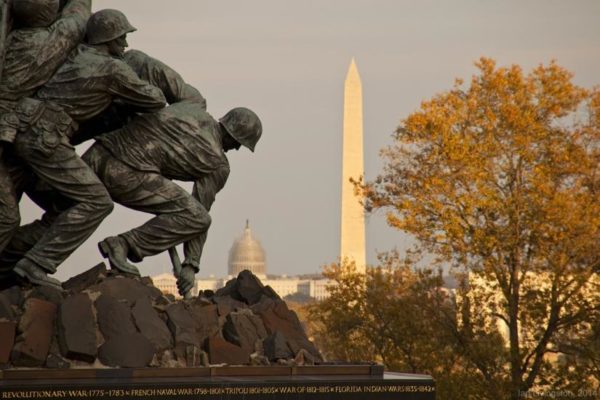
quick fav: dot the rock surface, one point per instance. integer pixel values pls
(123, 321)
(129, 350)
(36, 329)
(244, 329)
(77, 328)
(86, 279)
(221, 351)
(182, 325)
(7, 339)
(276, 348)
(151, 325)
(114, 317)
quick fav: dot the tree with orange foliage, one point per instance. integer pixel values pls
(500, 179)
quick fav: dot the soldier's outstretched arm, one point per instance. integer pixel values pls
(30, 61)
(205, 191)
(128, 88)
(65, 34)
(164, 77)
(80, 9)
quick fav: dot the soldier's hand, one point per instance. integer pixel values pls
(186, 279)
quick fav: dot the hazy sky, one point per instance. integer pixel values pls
(287, 60)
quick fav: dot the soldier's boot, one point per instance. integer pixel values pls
(31, 272)
(115, 249)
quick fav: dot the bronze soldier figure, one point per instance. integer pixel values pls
(39, 44)
(92, 77)
(182, 141)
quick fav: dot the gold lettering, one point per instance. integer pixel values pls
(215, 391)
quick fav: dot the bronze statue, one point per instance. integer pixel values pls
(38, 45)
(85, 85)
(99, 91)
(182, 141)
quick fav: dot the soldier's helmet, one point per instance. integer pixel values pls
(106, 25)
(35, 13)
(243, 125)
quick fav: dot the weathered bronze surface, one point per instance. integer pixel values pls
(58, 90)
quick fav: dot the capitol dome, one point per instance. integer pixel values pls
(247, 253)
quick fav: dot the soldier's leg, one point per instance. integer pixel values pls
(9, 212)
(26, 236)
(23, 240)
(55, 162)
(179, 216)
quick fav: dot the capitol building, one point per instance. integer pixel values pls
(247, 253)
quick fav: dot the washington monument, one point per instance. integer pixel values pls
(352, 245)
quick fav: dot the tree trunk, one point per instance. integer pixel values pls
(516, 375)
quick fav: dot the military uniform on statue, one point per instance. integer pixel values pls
(82, 87)
(110, 331)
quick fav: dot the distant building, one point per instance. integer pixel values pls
(166, 283)
(283, 286)
(315, 288)
(247, 253)
(210, 284)
(486, 294)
